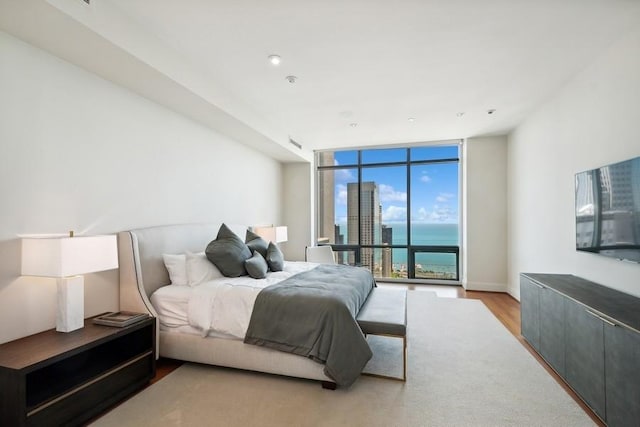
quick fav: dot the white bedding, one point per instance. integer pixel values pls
(221, 306)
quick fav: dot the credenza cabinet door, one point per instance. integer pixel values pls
(530, 311)
(622, 376)
(552, 329)
(584, 363)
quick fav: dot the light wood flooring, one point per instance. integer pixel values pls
(502, 305)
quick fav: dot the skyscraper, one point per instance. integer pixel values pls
(326, 199)
(339, 240)
(370, 221)
(387, 253)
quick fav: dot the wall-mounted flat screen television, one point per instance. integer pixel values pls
(608, 210)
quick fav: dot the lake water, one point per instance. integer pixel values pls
(428, 235)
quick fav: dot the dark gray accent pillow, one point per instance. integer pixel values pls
(256, 243)
(228, 252)
(256, 266)
(275, 258)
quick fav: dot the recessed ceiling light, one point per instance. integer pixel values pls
(412, 119)
(353, 125)
(275, 59)
(291, 79)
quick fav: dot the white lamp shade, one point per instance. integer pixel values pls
(68, 256)
(272, 234)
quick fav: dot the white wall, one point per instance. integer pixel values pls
(593, 121)
(485, 215)
(298, 194)
(80, 153)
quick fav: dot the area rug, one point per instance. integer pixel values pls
(464, 369)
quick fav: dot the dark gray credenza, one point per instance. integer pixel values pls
(590, 335)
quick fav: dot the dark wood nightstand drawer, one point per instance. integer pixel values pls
(82, 404)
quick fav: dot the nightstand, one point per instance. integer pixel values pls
(55, 378)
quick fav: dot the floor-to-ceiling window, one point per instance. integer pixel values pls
(393, 210)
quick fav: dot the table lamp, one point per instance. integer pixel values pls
(67, 258)
(272, 233)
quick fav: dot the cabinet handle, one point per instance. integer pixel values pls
(608, 322)
(539, 286)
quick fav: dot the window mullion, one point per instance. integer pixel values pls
(410, 262)
(359, 255)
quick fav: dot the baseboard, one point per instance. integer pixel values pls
(486, 286)
(515, 293)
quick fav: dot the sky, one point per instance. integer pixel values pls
(434, 187)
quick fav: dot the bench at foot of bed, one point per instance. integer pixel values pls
(385, 313)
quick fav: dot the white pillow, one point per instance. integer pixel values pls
(200, 269)
(177, 268)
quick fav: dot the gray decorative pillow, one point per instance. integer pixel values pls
(275, 258)
(228, 252)
(256, 243)
(256, 266)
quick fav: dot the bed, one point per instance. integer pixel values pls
(143, 272)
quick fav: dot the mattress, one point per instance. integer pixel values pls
(171, 303)
(190, 330)
(220, 307)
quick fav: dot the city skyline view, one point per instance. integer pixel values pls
(375, 197)
(434, 187)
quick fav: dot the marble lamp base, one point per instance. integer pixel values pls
(70, 315)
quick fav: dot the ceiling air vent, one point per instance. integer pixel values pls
(291, 141)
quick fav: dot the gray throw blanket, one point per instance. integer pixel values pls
(313, 314)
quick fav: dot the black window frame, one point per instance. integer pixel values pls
(412, 250)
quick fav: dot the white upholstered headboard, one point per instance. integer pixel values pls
(140, 251)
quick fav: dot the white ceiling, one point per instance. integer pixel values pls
(378, 62)
(371, 62)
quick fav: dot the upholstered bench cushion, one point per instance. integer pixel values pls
(384, 312)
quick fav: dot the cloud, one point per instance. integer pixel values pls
(442, 214)
(394, 214)
(342, 175)
(444, 197)
(341, 219)
(422, 215)
(389, 194)
(341, 194)
(438, 213)
(425, 178)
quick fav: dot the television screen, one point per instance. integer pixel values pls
(608, 210)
